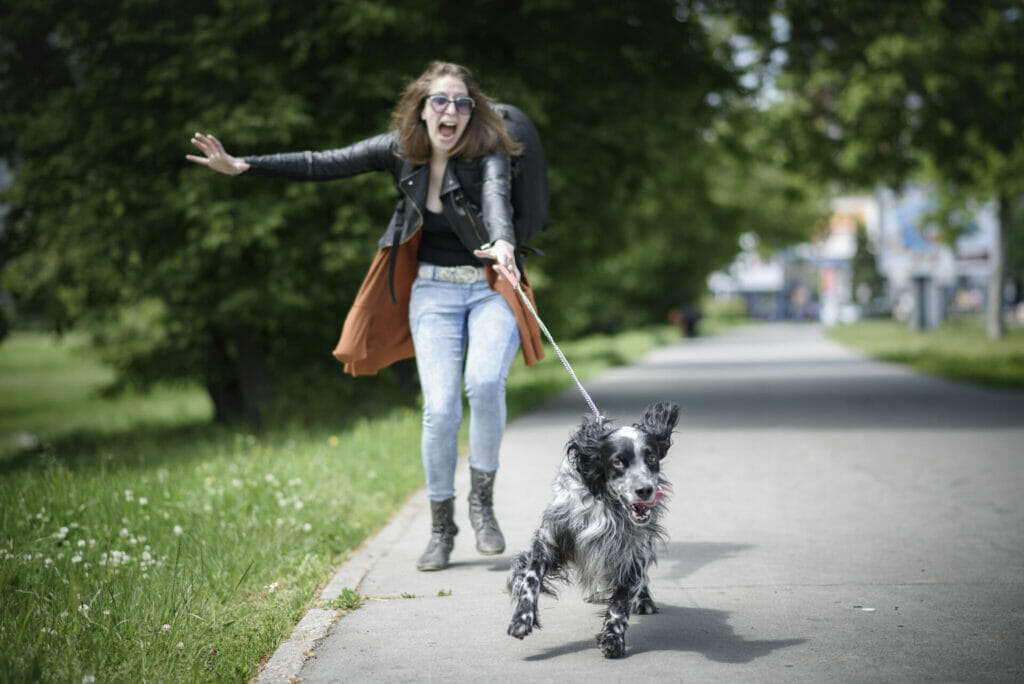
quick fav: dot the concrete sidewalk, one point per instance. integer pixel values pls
(834, 519)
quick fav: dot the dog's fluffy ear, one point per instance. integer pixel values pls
(584, 450)
(659, 421)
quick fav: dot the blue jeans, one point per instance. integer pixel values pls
(456, 328)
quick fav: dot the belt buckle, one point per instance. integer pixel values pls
(464, 275)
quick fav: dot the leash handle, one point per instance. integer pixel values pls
(565, 362)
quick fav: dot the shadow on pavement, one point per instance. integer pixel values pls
(685, 558)
(704, 631)
(674, 628)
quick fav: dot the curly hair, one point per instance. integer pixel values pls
(484, 134)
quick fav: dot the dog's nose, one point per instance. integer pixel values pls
(644, 493)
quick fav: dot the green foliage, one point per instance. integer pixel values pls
(892, 92)
(898, 85)
(243, 284)
(349, 599)
(866, 277)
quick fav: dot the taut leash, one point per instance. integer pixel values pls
(565, 362)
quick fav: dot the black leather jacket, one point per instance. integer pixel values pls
(474, 193)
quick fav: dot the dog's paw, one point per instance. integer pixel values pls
(522, 624)
(611, 645)
(644, 606)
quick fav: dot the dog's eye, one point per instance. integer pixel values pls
(618, 462)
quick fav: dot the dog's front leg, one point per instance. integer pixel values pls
(612, 639)
(643, 603)
(525, 582)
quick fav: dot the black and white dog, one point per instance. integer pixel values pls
(602, 525)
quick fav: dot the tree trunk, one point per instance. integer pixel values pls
(253, 377)
(237, 378)
(221, 381)
(995, 321)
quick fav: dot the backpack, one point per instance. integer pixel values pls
(529, 178)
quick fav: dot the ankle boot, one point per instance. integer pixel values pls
(489, 540)
(442, 536)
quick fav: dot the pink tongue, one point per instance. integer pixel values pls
(446, 130)
(657, 495)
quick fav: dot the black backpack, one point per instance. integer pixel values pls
(529, 178)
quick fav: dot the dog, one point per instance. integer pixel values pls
(602, 525)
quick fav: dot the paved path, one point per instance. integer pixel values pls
(834, 519)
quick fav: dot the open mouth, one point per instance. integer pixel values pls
(447, 131)
(641, 512)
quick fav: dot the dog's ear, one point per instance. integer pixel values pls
(659, 421)
(584, 449)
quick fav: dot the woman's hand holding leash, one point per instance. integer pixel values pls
(504, 256)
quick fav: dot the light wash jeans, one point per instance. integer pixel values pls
(456, 328)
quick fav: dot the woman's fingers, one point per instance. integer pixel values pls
(503, 254)
(214, 155)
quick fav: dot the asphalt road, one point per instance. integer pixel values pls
(834, 519)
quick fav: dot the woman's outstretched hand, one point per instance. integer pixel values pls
(502, 252)
(214, 156)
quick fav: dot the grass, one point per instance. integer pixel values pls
(959, 350)
(140, 542)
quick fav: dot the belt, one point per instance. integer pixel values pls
(464, 275)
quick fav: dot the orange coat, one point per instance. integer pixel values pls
(376, 332)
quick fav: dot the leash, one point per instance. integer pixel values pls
(565, 362)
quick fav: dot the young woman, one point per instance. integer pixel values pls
(428, 292)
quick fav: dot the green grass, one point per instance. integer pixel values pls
(54, 388)
(959, 350)
(140, 542)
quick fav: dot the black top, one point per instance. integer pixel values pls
(440, 246)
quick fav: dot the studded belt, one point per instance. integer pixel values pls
(464, 275)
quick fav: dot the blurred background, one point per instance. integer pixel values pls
(787, 160)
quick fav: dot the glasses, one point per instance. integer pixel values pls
(463, 105)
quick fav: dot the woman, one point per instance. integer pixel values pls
(427, 292)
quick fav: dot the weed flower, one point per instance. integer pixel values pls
(271, 588)
(166, 629)
(178, 531)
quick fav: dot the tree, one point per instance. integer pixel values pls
(866, 280)
(243, 284)
(882, 92)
